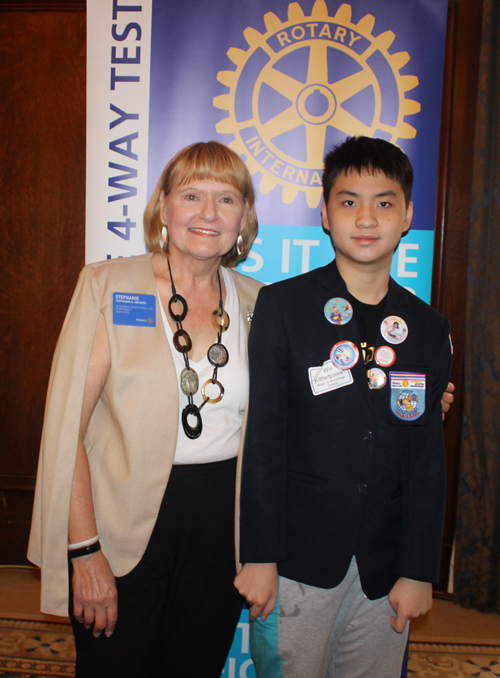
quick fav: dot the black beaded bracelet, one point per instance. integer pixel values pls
(85, 550)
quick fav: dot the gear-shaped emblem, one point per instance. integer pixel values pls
(307, 83)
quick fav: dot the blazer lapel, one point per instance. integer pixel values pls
(165, 381)
(247, 294)
(333, 281)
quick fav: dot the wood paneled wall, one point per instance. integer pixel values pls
(42, 217)
(42, 170)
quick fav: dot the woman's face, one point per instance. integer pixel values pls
(203, 218)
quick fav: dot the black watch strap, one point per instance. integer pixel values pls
(85, 550)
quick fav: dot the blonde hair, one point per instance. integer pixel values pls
(200, 161)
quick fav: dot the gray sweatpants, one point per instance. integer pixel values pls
(328, 633)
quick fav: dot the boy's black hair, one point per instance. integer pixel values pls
(364, 154)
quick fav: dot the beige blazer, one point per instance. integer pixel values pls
(132, 435)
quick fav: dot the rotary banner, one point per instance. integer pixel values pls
(280, 83)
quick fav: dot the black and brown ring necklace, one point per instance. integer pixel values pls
(217, 355)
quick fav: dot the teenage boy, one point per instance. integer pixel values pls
(343, 490)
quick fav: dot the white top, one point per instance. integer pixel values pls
(222, 421)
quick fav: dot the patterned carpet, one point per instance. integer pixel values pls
(435, 660)
(30, 649)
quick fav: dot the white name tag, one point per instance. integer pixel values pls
(328, 378)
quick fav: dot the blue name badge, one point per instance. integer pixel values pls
(138, 310)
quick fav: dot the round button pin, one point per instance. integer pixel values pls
(377, 378)
(394, 329)
(385, 356)
(344, 355)
(338, 311)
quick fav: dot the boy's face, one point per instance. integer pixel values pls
(366, 216)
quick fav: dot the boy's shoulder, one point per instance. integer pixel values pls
(418, 307)
(301, 287)
(323, 276)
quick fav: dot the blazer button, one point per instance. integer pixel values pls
(362, 488)
(367, 436)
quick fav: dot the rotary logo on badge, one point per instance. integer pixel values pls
(304, 85)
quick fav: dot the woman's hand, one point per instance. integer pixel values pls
(94, 589)
(258, 584)
(95, 599)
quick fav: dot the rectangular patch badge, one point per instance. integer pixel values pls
(328, 378)
(407, 395)
(138, 310)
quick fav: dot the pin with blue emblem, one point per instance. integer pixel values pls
(338, 311)
(344, 355)
(394, 329)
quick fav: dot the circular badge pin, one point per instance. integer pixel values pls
(338, 311)
(385, 356)
(394, 329)
(344, 355)
(377, 378)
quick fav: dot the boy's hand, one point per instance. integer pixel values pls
(409, 599)
(447, 398)
(258, 584)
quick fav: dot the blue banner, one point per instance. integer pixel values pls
(281, 83)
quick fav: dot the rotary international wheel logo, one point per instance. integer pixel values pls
(304, 85)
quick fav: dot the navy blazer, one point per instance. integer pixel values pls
(329, 476)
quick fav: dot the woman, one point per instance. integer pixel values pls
(137, 472)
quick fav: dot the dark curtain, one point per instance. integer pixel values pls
(477, 548)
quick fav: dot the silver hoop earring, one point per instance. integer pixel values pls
(164, 238)
(239, 244)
